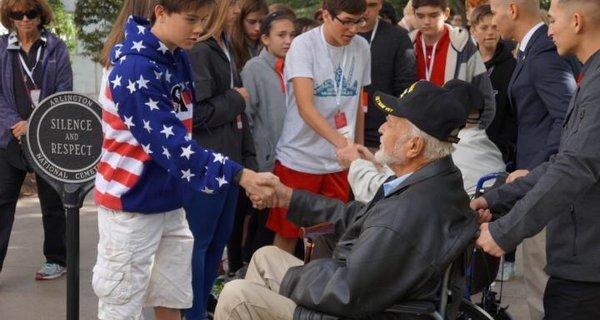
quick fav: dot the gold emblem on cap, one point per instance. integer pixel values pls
(409, 89)
(381, 105)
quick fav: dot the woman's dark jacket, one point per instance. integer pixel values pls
(218, 107)
(57, 76)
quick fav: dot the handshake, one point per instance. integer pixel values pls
(353, 151)
(265, 190)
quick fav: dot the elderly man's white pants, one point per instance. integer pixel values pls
(256, 297)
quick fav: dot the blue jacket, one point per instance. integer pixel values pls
(56, 73)
(539, 91)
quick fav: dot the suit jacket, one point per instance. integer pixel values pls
(391, 250)
(539, 90)
(563, 193)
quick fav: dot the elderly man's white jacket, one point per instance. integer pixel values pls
(475, 155)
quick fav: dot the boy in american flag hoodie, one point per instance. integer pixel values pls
(149, 164)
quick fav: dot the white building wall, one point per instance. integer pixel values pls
(86, 73)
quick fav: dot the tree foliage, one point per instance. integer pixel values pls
(93, 20)
(63, 24)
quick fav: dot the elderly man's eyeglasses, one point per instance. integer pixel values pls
(351, 22)
(19, 15)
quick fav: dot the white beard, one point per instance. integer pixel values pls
(396, 158)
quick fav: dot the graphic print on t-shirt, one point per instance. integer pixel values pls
(349, 88)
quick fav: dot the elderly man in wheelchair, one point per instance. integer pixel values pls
(391, 253)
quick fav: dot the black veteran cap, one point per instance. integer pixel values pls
(468, 95)
(432, 109)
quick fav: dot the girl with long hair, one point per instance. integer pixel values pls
(245, 35)
(219, 123)
(263, 77)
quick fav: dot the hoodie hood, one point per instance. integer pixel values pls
(501, 55)
(140, 41)
(459, 37)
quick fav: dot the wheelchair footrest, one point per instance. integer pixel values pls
(413, 307)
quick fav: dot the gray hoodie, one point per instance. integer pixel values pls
(267, 108)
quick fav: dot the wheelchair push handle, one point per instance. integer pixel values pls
(486, 178)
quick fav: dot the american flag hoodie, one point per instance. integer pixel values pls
(150, 162)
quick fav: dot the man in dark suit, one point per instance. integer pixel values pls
(539, 91)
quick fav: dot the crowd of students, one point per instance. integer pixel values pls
(203, 97)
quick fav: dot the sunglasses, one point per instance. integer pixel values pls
(19, 15)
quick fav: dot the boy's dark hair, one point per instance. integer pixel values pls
(479, 13)
(302, 25)
(388, 10)
(443, 4)
(179, 6)
(335, 7)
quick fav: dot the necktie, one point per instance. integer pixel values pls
(520, 56)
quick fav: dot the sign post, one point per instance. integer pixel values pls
(63, 146)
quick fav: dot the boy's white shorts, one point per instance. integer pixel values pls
(143, 260)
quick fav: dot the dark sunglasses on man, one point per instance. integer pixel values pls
(19, 15)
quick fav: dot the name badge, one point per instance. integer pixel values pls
(239, 122)
(35, 97)
(364, 101)
(341, 124)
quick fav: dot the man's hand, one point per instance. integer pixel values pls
(258, 184)
(487, 242)
(347, 154)
(366, 154)
(19, 129)
(281, 199)
(516, 174)
(480, 206)
(244, 93)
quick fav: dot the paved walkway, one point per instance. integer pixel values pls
(21, 297)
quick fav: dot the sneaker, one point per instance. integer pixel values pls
(506, 272)
(50, 271)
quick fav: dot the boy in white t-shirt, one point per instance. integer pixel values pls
(326, 69)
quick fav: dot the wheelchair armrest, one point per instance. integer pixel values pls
(318, 230)
(413, 307)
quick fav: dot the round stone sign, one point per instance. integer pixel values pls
(64, 138)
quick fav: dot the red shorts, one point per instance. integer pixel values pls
(332, 185)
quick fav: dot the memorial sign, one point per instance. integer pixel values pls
(64, 138)
(63, 146)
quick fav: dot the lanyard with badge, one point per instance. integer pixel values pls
(364, 95)
(34, 94)
(428, 66)
(238, 119)
(340, 119)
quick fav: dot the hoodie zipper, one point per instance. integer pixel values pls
(574, 220)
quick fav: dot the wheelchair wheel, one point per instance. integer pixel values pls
(470, 311)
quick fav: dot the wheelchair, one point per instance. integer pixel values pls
(478, 268)
(482, 270)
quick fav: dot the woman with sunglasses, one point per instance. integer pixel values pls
(34, 64)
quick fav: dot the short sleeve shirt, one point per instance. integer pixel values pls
(335, 71)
